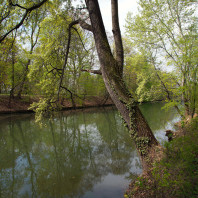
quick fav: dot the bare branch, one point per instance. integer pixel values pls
(4, 17)
(16, 5)
(92, 71)
(27, 11)
(85, 25)
(82, 8)
(71, 95)
(80, 38)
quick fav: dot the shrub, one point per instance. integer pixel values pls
(177, 173)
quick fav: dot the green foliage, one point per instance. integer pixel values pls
(12, 60)
(49, 56)
(15, 56)
(91, 85)
(177, 174)
(43, 108)
(170, 104)
(48, 61)
(5, 63)
(166, 31)
(141, 78)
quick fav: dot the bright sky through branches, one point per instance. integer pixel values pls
(125, 6)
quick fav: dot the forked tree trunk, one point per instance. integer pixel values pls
(111, 67)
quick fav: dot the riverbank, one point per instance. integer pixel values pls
(158, 121)
(175, 174)
(22, 105)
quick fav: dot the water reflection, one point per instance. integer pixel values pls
(159, 120)
(84, 154)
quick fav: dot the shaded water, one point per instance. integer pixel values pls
(82, 154)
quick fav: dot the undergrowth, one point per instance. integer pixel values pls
(176, 175)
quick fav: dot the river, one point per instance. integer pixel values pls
(84, 153)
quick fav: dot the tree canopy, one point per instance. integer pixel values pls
(167, 32)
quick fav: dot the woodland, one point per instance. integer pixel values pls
(54, 51)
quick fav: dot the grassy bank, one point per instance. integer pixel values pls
(176, 174)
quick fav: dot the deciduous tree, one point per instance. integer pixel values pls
(111, 68)
(169, 28)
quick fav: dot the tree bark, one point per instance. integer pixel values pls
(12, 76)
(139, 129)
(117, 36)
(23, 80)
(33, 44)
(66, 54)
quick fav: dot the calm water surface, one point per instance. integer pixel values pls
(86, 154)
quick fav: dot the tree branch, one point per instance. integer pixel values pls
(4, 17)
(80, 38)
(92, 71)
(27, 11)
(67, 53)
(85, 25)
(71, 94)
(117, 36)
(164, 86)
(16, 5)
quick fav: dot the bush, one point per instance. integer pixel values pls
(177, 173)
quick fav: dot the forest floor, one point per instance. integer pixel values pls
(23, 104)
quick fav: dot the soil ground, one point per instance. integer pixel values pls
(22, 105)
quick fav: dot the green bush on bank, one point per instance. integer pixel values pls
(177, 173)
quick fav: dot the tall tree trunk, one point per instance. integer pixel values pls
(12, 80)
(23, 80)
(119, 52)
(33, 44)
(12, 77)
(110, 67)
(185, 95)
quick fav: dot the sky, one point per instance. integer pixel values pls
(125, 6)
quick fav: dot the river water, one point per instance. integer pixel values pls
(86, 153)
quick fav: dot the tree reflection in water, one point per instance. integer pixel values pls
(84, 154)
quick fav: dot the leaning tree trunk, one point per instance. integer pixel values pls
(111, 71)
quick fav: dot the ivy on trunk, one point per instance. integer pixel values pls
(111, 68)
